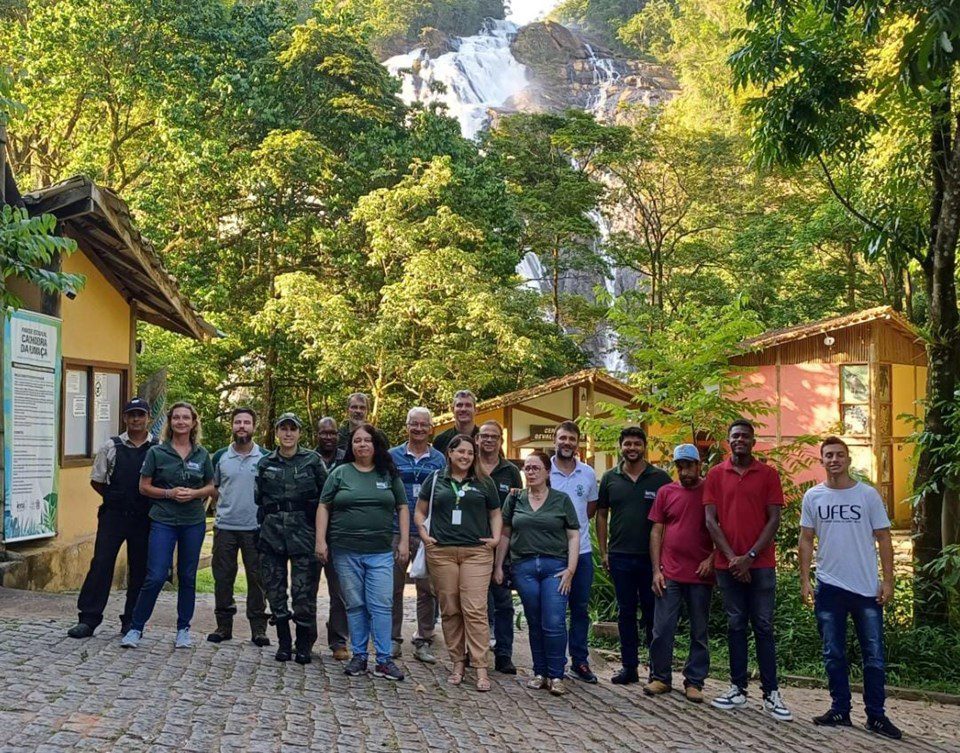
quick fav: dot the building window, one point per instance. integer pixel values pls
(93, 396)
(855, 399)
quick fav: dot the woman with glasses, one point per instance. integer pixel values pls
(541, 532)
(464, 510)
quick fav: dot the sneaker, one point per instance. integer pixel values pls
(422, 653)
(388, 671)
(131, 639)
(341, 653)
(396, 649)
(832, 719)
(184, 640)
(625, 677)
(773, 704)
(656, 687)
(80, 630)
(356, 667)
(883, 726)
(556, 686)
(504, 665)
(538, 682)
(693, 694)
(584, 673)
(734, 698)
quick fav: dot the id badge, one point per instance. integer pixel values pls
(456, 518)
(416, 491)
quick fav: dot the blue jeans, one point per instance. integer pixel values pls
(546, 611)
(696, 597)
(500, 611)
(632, 576)
(366, 581)
(163, 539)
(580, 610)
(831, 606)
(751, 603)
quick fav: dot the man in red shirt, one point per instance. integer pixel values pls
(743, 498)
(681, 551)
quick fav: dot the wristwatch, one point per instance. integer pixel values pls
(752, 554)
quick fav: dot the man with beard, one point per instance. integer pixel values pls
(626, 496)
(236, 531)
(681, 552)
(743, 499)
(358, 406)
(464, 413)
(578, 480)
(121, 518)
(337, 630)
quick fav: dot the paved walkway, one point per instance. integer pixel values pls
(61, 694)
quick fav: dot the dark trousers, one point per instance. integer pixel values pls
(114, 528)
(580, 610)
(500, 610)
(303, 587)
(696, 598)
(632, 576)
(832, 605)
(751, 603)
(187, 540)
(338, 632)
(227, 546)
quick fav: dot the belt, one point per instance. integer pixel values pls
(285, 507)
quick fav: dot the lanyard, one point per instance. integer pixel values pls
(458, 491)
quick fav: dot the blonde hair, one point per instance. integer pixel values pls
(196, 433)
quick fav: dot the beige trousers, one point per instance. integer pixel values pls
(461, 578)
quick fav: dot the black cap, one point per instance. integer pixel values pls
(137, 404)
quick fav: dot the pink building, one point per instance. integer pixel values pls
(860, 376)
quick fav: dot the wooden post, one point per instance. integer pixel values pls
(588, 412)
(508, 430)
(132, 385)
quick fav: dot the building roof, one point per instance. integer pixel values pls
(775, 337)
(608, 385)
(109, 237)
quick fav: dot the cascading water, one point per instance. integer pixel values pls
(605, 76)
(480, 74)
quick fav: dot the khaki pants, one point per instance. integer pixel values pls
(461, 578)
(426, 601)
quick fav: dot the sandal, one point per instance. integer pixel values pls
(483, 684)
(456, 677)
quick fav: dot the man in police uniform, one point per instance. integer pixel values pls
(121, 518)
(289, 481)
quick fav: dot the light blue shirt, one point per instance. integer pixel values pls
(235, 477)
(581, 487)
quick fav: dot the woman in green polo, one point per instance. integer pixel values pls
(464, 509)
(542, 533)
(178, 476)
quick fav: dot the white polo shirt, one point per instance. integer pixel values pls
(581, 487)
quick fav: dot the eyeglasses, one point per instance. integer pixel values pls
(532, 468)
(418, 425)
(489, 436)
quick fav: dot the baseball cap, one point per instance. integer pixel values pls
(137, 404)
(291, 417)
(686, 452)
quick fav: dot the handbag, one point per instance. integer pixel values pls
(418, 566)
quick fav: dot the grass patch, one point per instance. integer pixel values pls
(205, 582)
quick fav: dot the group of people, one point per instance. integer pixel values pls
(458, 513)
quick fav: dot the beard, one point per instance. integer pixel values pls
(242, 438)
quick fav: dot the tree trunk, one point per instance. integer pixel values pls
(943, 353)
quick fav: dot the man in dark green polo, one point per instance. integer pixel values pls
(626, 495)
(464, 412)
(289, 481)
(358, 406)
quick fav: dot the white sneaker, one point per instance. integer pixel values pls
(773, 704)
(131, 639)
(183, 639)
(734, 698)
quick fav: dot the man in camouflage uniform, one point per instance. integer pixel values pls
(289, 481)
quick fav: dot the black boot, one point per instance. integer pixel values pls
(284, 642)
(304, 644)
(224, 631)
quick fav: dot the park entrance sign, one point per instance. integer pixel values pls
(31, 405)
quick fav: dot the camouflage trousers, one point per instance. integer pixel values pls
(303, 587)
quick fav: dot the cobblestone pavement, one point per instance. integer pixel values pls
(62, 694)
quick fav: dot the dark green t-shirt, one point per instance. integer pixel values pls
(442, 440)
(542, 532)
(506, 476)
(362, 505)
(168, 470)
(475, 500)
(629, 503)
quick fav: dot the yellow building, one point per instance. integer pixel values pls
(529, 416)
(96, 372)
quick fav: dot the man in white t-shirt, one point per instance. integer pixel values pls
(848, 519)
(571, 475)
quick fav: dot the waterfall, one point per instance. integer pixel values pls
(605, 76)
(480, 74)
